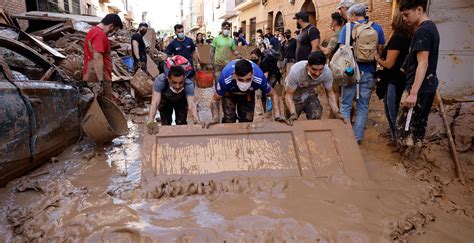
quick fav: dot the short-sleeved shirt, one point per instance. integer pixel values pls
(141, 47)
(366, 67)
(426, 38)
(333, 44)
(161, 84)
(275, 43)
(223, 46)
(290, 48)
(303, 48)
(100, 43)
(227, 82)
(299, 80)
(183, 48)
(401, 43)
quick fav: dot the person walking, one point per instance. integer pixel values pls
(222, 46)
(289, 51)
(183, 46)
(309, 37)
(139, 48)
(199, 39)
(97, 70)
(422, 80)
(333, 45)
(392, 80)
(342, 7)
(369, 40)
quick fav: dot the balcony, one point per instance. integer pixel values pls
(226, 10)
(241, 5)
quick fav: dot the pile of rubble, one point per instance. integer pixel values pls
(460, 116)
(61, 42)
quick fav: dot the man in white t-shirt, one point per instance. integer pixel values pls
(300, 88)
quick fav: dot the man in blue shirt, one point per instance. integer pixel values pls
(183, 46)
(363, 88)
(236, 88)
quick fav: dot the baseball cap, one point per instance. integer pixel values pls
(302, 15)
(345, 3)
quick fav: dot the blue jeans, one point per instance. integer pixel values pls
(391, 104)
(366, 84)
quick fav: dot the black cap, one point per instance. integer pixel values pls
(302, 15)
(287, 31)
(143, 24)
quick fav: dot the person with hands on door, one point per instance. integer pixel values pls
(300, 88)
(236, 90)
(172, 92)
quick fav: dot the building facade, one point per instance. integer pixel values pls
(278, 14)
(193, 17)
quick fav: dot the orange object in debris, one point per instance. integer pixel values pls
(204, 79)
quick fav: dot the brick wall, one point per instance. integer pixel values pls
(379, 11)
(15, 7)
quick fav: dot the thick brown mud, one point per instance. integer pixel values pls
(93, 194)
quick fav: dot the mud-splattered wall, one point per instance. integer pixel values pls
(456, 54)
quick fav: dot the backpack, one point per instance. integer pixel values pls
(178, 61)
(365, 41)
(342, 60)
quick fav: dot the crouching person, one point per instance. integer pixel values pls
(236, 88)
(300, 88)
(172, 92)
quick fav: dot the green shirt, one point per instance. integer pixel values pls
(223, 46)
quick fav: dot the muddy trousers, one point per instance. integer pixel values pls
(311, 106)
(105, 90)
(244, 104)
(419, 118)
(180, 108)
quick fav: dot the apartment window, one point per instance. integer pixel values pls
(76, 6)
(66, 6)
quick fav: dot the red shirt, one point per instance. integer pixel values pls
(100, 43)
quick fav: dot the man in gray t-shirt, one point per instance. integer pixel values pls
(300, 88)
(172, 92)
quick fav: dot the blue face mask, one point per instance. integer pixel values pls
(180, 35)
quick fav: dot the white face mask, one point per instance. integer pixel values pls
(225, 32)
(176, 91)
(243, 86)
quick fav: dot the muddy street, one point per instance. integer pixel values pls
(95, 194)
(236, 121)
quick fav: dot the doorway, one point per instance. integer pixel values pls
(310, 9)
(270, 21)
(279, 23)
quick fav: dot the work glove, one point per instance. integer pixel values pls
(339, 115)
(293, 117)
(152, 127)
(281, 119)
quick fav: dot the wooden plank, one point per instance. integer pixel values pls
(151, 67)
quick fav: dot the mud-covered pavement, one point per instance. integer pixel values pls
(94, 194)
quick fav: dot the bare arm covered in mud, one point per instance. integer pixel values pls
(99, 66)
(155, 101)
(333, 104)
(192, 107)
(276, 103)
